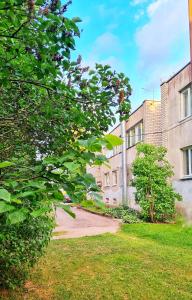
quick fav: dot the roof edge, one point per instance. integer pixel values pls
(166, 81)
(147, 100)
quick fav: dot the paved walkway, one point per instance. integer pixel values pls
(85, 224)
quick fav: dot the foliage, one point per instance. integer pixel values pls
(54, 112)
(154, 192)
(128, 215)
(20, 247)
(96, 206)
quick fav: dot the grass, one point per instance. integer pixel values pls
(142, 261)
(58, 233)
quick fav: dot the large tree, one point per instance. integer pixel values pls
(54, 113)
(47, 101)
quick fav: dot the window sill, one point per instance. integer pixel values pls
(189, 177)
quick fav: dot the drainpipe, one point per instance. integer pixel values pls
(124, 164)
(190, 32)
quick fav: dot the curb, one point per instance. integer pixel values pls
(97, 213)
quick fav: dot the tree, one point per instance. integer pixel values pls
(54, 113)
(48, 102)
(154, 192)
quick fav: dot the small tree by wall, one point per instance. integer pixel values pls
(154, 192)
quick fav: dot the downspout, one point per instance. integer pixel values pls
(190, 33)
(124, 164)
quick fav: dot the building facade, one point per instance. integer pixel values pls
(144, 125)
(176, 118)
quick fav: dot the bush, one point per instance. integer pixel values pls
(87, 203)
(154, 192)
(130, 218)
(128, 215)
(21, 246)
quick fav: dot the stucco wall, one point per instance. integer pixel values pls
(176, 133)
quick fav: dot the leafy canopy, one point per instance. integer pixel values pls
(154, 191)
(54, 111)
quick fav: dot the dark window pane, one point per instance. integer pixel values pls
(185, 103)
(191, 161)
(186, 162)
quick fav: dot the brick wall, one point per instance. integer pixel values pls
(152, 123)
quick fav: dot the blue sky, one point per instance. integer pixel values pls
(148, 40)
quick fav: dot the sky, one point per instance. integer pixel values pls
(148, 40)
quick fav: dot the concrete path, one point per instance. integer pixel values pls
(85, 224)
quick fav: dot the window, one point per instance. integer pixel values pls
(128, 139)
(114, 177)
(115, 150)
(186, 102)
(109, 153)
(132, 137)
(107, 179)
(107, 200)
(114, 201)
(188, 161)
(140, 132)
(135, 135)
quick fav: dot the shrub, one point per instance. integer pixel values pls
(128, 215)
(21, 246)
(154, 192)
(87, 203)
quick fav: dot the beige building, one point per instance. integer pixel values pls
(176, 98)
(167, 123)
(144, 125)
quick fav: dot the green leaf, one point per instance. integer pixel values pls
(5, 195)
(113, 140)
(58, 195)
(71, 166)
(58, 171)
(5, 164)
(40, 212)
(67, 209)
(4, 207)
(76, 20)
(26, 194)
(18, 216)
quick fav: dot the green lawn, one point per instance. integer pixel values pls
(142, 261)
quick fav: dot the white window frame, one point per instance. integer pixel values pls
(136, 133)
(107, 179)
(133, 136)
(140, 128)
(114, 177)
(189, 103)
(187, 151)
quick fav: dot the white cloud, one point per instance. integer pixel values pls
(106, 50)
(107, 42)
(138, 2)
(166, 28)
(155, 6)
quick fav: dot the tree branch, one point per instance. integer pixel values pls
(32, 82)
